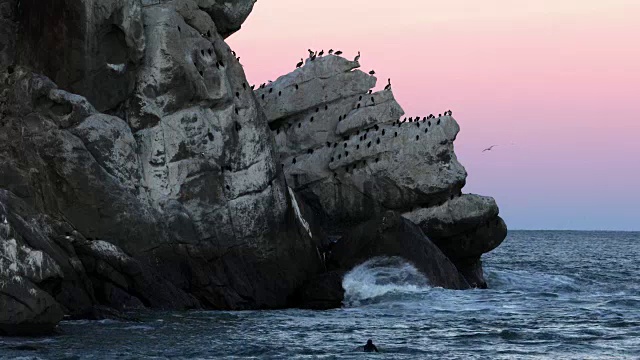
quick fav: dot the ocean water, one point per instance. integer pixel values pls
(553, 295)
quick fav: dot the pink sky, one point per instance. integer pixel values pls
(555, 83)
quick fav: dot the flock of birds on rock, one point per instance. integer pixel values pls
(424, 119)
(315, 54)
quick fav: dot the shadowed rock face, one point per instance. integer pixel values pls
(391, 235)
(155, 185)
(227, 14)
(351, 154)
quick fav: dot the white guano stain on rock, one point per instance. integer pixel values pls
(296, 208)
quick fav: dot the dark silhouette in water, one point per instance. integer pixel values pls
(370, 347)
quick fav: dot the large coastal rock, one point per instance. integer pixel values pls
(130, 136)
(347, 150)
(139, 169)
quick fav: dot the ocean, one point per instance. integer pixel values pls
(553, 295)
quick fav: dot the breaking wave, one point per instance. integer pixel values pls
(382, 279)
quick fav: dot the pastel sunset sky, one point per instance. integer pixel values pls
(554, 83)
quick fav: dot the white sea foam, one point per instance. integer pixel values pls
(379, 277)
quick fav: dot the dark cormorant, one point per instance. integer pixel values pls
(330, 51)
(321, 53)
(338, 52)
(300, 63)
(372, 72)
(388, 87)
(357, 57)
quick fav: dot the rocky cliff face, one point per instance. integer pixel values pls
(139, 169)
(134, 154)
(349, 152)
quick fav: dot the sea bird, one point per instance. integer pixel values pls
(357, 57)
(330, 51)
(300, 63)
(489, 148)
(371, 72)
(388, 87)
(338, 53)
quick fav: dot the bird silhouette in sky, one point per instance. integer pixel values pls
(489, 148)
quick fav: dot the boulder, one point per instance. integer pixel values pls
(26, 309)
(227, 14)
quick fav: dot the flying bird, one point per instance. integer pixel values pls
(489, 148)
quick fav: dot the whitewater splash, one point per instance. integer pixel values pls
(382, 278)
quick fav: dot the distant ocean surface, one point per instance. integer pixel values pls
(553, 295)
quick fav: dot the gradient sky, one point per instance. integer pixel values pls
(555, 83)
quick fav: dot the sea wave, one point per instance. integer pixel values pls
(382, 279)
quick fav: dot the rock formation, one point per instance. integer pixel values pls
(138, 169)
(156, 185)
(350, 154)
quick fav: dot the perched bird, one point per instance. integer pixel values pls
(310, 52)
(371, 72)
(338, 52)
(489, 148)
(313, 57)
(300, 63)
(370, 91)
(330, 51)
(357, 57)
(263, 85)
(321, 53)
(234, 53)
(253, 87)
(388, 87)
